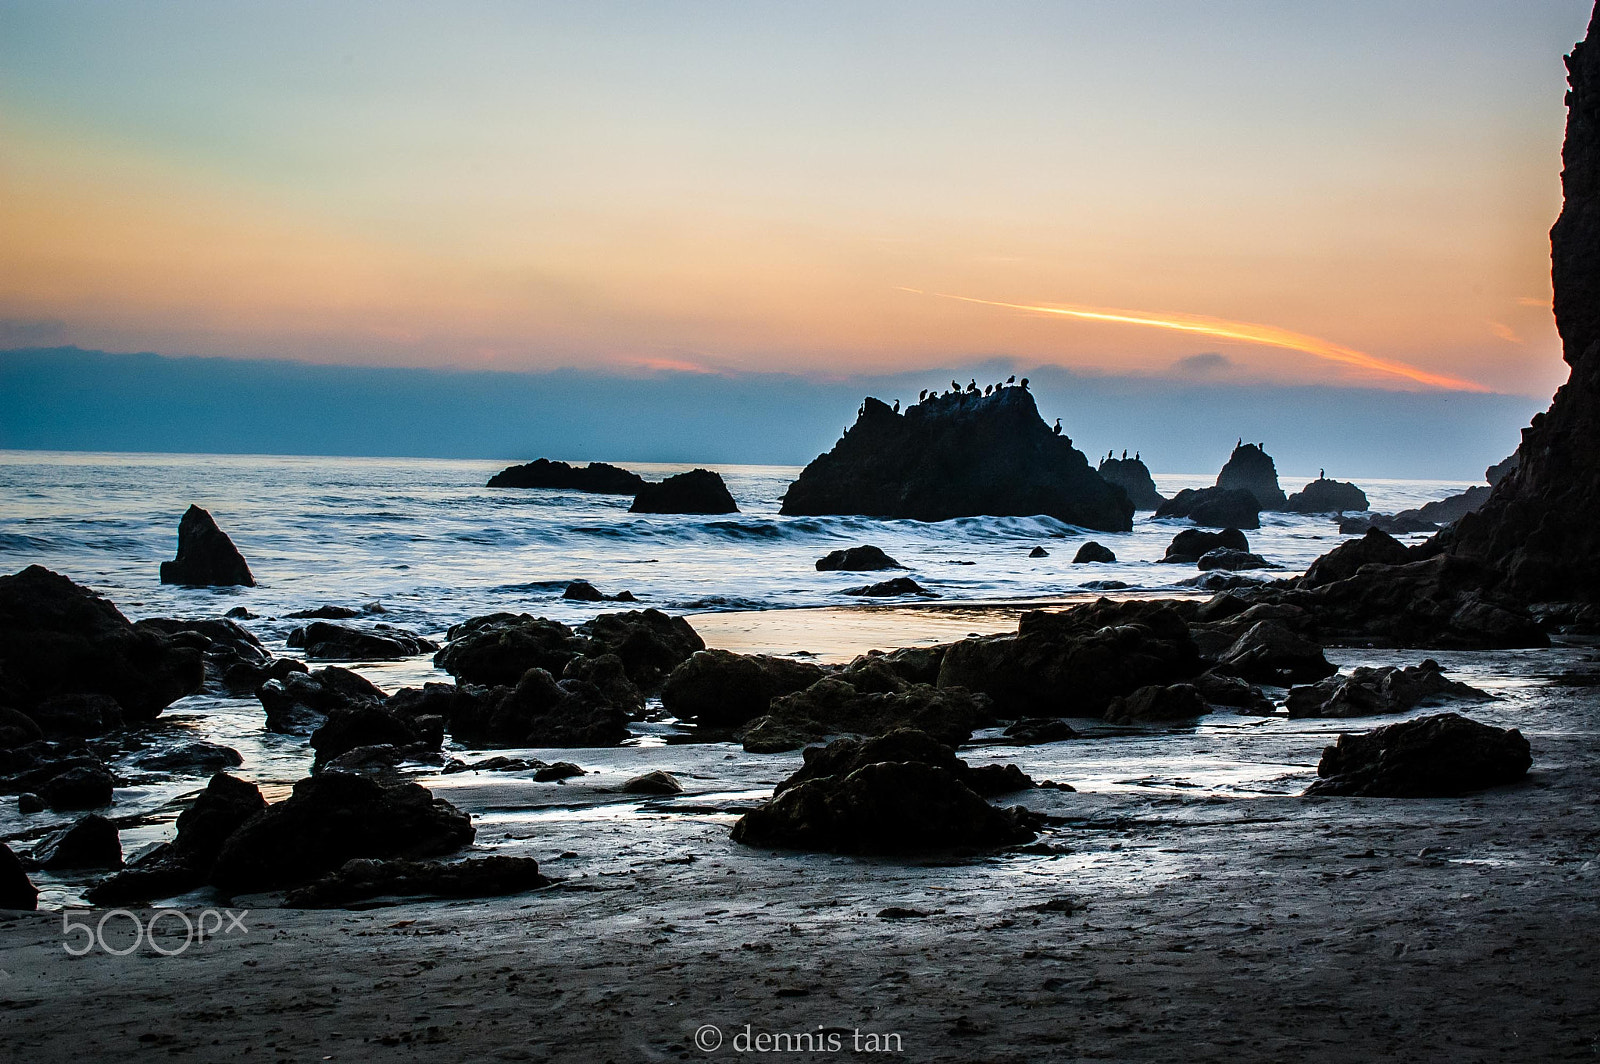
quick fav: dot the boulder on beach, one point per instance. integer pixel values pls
(300, 702)
(16, 889)
(1268, 652)
(1230, 560)
(869, 699)
(1133, 477)
(329, 641)
(91, 842)
(192, 758)
(1441, 756)
(366, 724)
(57, 638)
(206, 556)
(1093, 552)
(1324, 496)
(699, 491)
(843, 756)
(363, 877)
(331, 818)
(1156, 703)
(649, 643)
(498, 648)
(865, 558)
(597, 477)
(958, 455)
(235, 661)
(538, 710)
(657, 782)
(1214, 507)
(900, 585)
(1370, 692)
(1192, 544)
(78, 787)
(1249, 468)
(718, 688)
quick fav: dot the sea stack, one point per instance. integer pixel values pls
(1324, 496)
(699, 491)
(206, 556)
(597, 477)
(1133, 477)
(1251, 469)
(958, 455)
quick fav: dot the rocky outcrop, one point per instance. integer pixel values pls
(1503, 468)
(649, 643)
(186, 862)
(1093, 552)
(57, 638)
(328, 641)
(1404, 523)
(16, 890)
(91, 842)
(1324, 496)
(870, 698)
(1252, 469)
(1214, 507)
(1268, 652)
(699, 491)
(597, 477)
(721, 689)
(1133, 477)
(1431, 757)
(235, 661)
(844, 756)
(865, 558)
(1192, 544)
(363, 877)
(1369, 692)
(1229, 560)
(900, 585)
(1345, 560)
(498, 648)
(658, 783)
(538, 711)
(367, 724)
(206, 556)
(583, 591)
(301, 702)
(958, 455)
(1155, 703)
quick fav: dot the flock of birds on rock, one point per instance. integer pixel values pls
(971, 389)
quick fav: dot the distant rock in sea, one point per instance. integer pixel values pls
(1428, 518)
(1214, 507)
(958, 455)
(699, 491)
(864, 558)
(597, 477)
(1093, 552)
(1324, 496)
(206, 556)
(1252, 469)
(1133, 477)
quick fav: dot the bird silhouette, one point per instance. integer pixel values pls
(1057, 429)
(1011, 379)
(988, 388)
(954, 386)
(922, 395)
(1024, 384)
(897, 406)
(1124, 454)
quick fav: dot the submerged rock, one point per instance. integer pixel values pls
(16, 889)
(900, 585)
(1093, 552)
(597, 477)
(1370, 692)
(1038, 552)
(699, 491)
(362, 877)
(1324, 496)
(965, 455)
(1252, 469)
(865, 558)
(718, 688)
(1133, 477)
(1431, 757)
(1192, 544)
(1214, 507)
(206, 556)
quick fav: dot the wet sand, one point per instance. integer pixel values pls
(1186, 905)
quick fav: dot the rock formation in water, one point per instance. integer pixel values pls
(1214, 507)
(1252, 469)
(958, 455)
(1324, 496)
(597, 477)
(865, 558)
(699, 491)
(206, 556)
(1133, 477)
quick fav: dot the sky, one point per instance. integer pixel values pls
(1352, 194)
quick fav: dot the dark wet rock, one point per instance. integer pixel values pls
(649, 643)
(769, 735)
(699, 491)
(325, 613)
(607, 672)
(331, 818)
(1075, 662)
(1452, 508)
(1324, 496)
(244, 679)
(380, 759)
(656, 782)
(583, 591)
(497, 649)
(235, 661)
(1036, 731)
(1503, 468)
(29, 803)
(77, 715)
(1133, 477)
(57, 638)
(958, 456)
(476, 877)
(1093, 552)
(1219, 580)
(240, 613)
(206, 556)
(912, 664)
(900, 585)
(193, 758)
(866, 702)
(719, 688)
(538, 711)
(429, 700)
(1343, 561)
(557, 771)
(300, 702)
(1270, 653)
(1251, 469)
(16, 890)
(370, 724)
(1038, 552)
(1105, 585)
(597, 477)
(1192, 544)
(1431, 757)
(1230, 560)
(1368, 692)
(81, 787)
(1155, 703)
(1404, 523)
(342, 642)
(1231, 692)
(1214, 507)
(865, 558)
(91, 842)
(844, 756)
(18, 729)
(498, 763)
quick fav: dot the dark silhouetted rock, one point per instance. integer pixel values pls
(477, 877)
(77, 715)
(607, 672)
(57, 638)
(300, 702)
(1343, 561)
(369, 724)
(1093, 552)
(582, 591)
(900, 585)
(16, 889)
(1155, 703)
(206, 556)
(1404, 523)
(1038, 552)
(596, 477)
(325, 613)
(29, 803)
(328, 641)
(538, 711)
(656, 782)
(331, 818)
(1369, 692)
(1190, 545)
(1270, 653)
(1431, 757)
(91, 842)
(194, 758)
(870, 700)
(1503, 468)
(1133, 477)
(843, 756)
(1036, 731)
(1251, 469)
(1214, 507)
(1324, 496)
(1233, 693)
(18, 729)
(82, 787)
(497, 649)
(699, 491)
(1449, 510)
(556, 771)
(649, 643)
(1230, 560)
(958, 456)
(865, 558)
(235, 661)
(719, 688)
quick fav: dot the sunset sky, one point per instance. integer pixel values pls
(1297, 193)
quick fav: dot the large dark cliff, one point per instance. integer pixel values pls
(958, 455)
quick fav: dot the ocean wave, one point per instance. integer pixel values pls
(16, 541)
